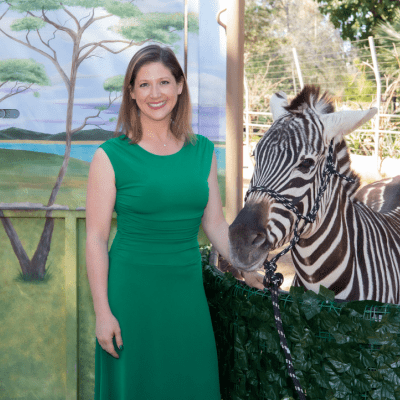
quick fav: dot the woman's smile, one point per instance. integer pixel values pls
(156, 106)
(156, 89)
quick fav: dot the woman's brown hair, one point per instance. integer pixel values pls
(128, 118)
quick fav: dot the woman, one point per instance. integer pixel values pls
(147, 290)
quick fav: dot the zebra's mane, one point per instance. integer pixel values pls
(309, 98)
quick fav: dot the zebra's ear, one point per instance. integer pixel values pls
(340, 123)
(277, 102)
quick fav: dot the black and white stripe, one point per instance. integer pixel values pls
(351, 248)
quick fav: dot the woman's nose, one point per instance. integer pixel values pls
(155, 91)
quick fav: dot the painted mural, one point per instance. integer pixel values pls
(61, 71)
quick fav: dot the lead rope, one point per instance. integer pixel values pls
(272, 280)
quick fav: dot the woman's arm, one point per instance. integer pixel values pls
(216, 227)
(100, 200)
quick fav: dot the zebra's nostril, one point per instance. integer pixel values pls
(259, 239)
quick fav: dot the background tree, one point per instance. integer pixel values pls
(135, 28)
(358, 18)
(258, 16)
(388, 35)
(273, 28)
(21, 74)
(387, 40)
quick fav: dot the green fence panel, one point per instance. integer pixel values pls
(340, 350)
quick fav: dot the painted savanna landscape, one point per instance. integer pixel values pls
(62, 68)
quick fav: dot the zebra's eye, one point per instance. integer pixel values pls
(306, 164)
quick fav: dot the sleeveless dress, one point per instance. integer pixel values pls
(155, 284)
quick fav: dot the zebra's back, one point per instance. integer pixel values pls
(382, 196)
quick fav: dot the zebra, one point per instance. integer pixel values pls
(351, 248)
(382, 196)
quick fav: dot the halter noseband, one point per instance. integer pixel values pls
(329, 170)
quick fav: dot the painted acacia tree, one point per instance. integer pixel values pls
(112, 85)
(134, 29)
(21, 74)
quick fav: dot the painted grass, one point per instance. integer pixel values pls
(32, 315)
(30, 176)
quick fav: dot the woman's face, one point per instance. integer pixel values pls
(156, 92)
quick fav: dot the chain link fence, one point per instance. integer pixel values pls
(358, 75)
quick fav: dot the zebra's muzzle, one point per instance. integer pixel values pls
(248, 239)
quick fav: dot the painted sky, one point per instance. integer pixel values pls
(46, 113)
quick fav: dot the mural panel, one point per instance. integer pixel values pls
(61, 70)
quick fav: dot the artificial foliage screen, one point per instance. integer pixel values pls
(346, 350)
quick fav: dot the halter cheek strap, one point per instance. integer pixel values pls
(272, 280)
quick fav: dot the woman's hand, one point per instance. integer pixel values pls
(253, 279)
(107, 327)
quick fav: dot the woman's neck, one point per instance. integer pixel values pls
(156, 130)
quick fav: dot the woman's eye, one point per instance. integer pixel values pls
(163, 82)
(142, 85)
(306, 164)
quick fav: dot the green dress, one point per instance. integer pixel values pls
(155, 285)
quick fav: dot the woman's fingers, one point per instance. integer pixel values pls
(107, 327)
(109, 348)
(254, 279)
(118, 339)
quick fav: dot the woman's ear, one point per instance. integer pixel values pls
(132, 92)
(180, 86)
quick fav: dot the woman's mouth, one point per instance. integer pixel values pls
(156, 106)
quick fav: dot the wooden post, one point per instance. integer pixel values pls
(234, 109)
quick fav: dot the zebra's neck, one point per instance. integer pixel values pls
(343, 166)
(351, 250)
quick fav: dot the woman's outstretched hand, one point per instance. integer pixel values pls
(253, 279)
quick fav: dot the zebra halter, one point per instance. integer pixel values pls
(272, 280)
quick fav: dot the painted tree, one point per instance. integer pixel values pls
(21, 74)
(111, 85)
(134, 29)
(114, 84)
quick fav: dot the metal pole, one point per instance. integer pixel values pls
(186, 37)
(234, 109)
(296, 61)
(378, 98)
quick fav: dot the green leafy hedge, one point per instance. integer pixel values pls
(346, 350)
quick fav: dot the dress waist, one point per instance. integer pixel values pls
(147, 242)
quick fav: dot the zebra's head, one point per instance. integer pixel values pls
(290, 160)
